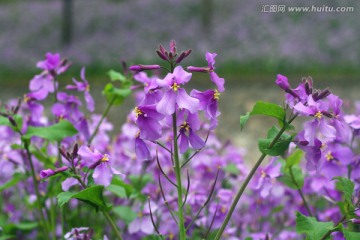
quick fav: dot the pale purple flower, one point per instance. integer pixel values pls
(175, 95)
(83, 87)
(147, 119)
(209, 103)
(100, 162)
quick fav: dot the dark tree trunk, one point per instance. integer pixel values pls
(207, 15)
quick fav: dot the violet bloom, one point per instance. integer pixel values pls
(83, 87)
(209, 103)
(175, 95)
(141, 149)
(210, 58)
(267, 179)
(187, 132)
(282, 82)
(50, 172)
(152, 91)
(101, 163)
(318, 110)
(147, 119)
(53, 63)
(67, 107)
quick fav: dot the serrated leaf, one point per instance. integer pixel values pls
(294, 181)
(281, 145)
(264, 109)
(116, 76)
(295, 158)
(346, 186)
(243, 120)
(114, 95)
(63, 198)
(117, 190)
(313, 229)
(125, 213)
(92, 195)
(56, 132)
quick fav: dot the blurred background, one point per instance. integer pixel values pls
(253, 46)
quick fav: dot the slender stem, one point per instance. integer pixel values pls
(300, 192)
(101, 120)
(181, 225)
(247, 180)
(36, 187)
(112, 224)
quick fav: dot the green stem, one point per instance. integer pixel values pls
(36, 187)
(181, 225)
(300, 192)
(329, 232)
(101, 120)
(247, 180)
(112, 224)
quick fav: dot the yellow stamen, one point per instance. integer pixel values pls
(185, 126)
(223, 209)
(318, 115)
(105, 158)
(171, 236)
(329, 156)
(216, 94)
(263, 174)
(87, 88)
(26, 98)
(138, 112)
(140, 214)
(175, 87)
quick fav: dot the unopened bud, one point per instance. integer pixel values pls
(198, 69)
(12, 121)
(327, 114)
(161, 55)
(140, 67)
(355, 220)
(282, 82)
(75, 151)
(183, 55)
(323, 94)
(63, 152)
(173, 47)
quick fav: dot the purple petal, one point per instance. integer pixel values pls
(210, 58)
(102, 174)
(184, 143)
(185, 101)
(219, 82)
(68, 183)
(141, 150)
(90, 104)
(88, 155)
(195, 141)
(149, 129)
(166, 105)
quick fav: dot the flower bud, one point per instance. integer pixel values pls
(282, 82)
(198, 69)
(140, 67)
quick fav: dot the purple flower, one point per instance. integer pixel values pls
(53, 63)
(141, 149)
(175, 95)
(266, 179)
(140, 67)
(282, 82)
(187, 132)
(50, 172)
(210, 58)
(83, 87)
(101, 163)
(147, 119)
(209, 103)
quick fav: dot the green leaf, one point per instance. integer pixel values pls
(348, 234)
(139, 182)
(125, 213)
(281, 145)
(265, 109)
(92, 195)
(232, 169)
(114, 95)
(268, 109)
(17, 177)
(288, 180)
(295, 158)
(56, 132)
(243, 120)
(116, 76)
(117, 181)
(117, 190)
(346, 186)
(313, 229)
(63, 198)
(23, 226)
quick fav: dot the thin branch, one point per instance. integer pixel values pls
(212, 221)
(166, 202)
(162, 171)
(153, 222)
(196, 152)
(187, 188)
(163, 146)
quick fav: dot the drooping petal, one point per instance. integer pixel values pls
(141, 150)
(102, 174)
(184, 143)
(195, 141)
(185, 101)
(166, 105)
(149, 129)
(90, 104)
(219, 82)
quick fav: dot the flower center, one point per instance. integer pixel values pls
(26, 98)
(263, 174)
(105, 158)
(138, 112)
(329, 156)
(216, 94)
(87, 88)
(185, 126)
(318, 115)
(175, 87)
